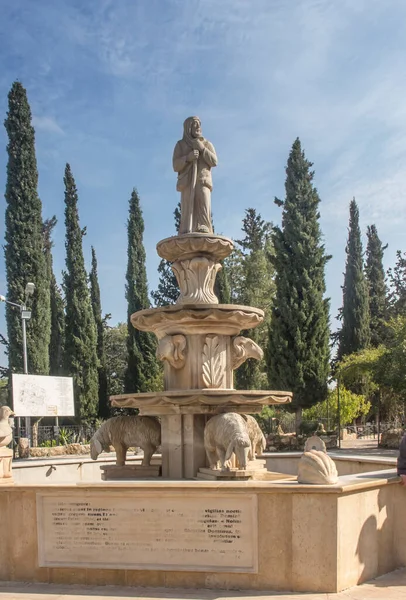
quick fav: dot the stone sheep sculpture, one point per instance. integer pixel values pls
(258, 441)
(223, 435)
(126, 432)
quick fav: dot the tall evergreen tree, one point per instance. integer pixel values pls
(397, 283)
(168, 289)
(57, 341)
(298, 351)
(142, 367)
(257, 288)
(375, 275)
(354, 334)
(104, 406)
(24, 250)
(80, 337)
(222, 285)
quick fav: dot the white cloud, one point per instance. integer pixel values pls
(47, 124)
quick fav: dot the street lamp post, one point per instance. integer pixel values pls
(25, 316)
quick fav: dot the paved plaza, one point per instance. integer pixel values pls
(388, 587)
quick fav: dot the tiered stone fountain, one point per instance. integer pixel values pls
(198, 339)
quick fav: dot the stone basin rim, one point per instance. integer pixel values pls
(203, 396)
(194, 244)
(173, 308)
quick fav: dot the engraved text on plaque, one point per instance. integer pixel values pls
(169, 532)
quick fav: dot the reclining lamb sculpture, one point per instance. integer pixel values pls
(125, 432)
(223, 435)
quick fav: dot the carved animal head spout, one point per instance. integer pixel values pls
(244, 348)
(172, 348)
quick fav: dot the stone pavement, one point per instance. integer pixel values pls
(387, 587)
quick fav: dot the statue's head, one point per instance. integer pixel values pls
(192, 127)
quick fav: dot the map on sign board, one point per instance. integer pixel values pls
(43, 396)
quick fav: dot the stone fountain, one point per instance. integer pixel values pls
(198, 339)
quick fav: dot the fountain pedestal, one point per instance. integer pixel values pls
(200, 344)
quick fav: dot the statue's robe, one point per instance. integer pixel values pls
(195, 199)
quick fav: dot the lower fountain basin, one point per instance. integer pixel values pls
(208, 401)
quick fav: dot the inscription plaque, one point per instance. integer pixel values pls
(208, 532)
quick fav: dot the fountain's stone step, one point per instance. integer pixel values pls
(114, 472)
(232, 475)
(254, 470)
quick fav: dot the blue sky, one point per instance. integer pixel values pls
(111, 81)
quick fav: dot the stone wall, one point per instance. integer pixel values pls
(290, 442)
(306, 538)
(391, 438)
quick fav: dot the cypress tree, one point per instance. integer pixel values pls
(168, 289)
(80, 337)
(104, 407)
(222, 285)
(298, 351)
(57, 341)
(24, 250)
(142, 366)
(57, 344)
(375, 275)
(257, 288)
(354, 334)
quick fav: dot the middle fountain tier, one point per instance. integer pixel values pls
(200, 344)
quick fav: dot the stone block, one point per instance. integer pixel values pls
(111, 472)
(6, 457)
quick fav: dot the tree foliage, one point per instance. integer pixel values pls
(80, 335)
(57, 341)
(255, 276)
(104, 407)
(298, 351)
(142, 368)
(397, 282)
(375, 276)
(168, 289)
(116, 357)
(354, 334)
(24, 249)
(352, 406)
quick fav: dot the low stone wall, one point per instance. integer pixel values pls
(67, 450)
(288, 463)
(292, 537)
(391, 438)
(291, 442)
